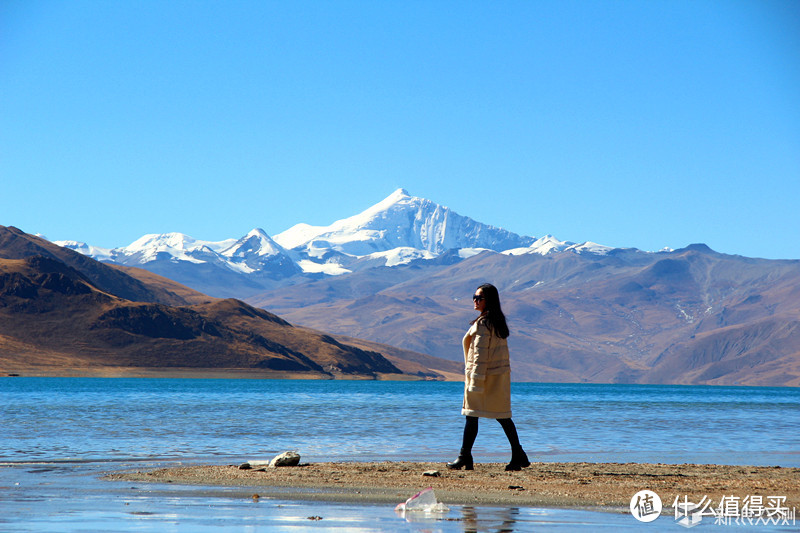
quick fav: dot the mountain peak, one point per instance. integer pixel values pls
(172, 239)
(698, 247)
(399, 196)
(400, 193)
(400, 221)
(255, 242)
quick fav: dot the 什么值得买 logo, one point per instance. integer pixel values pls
(646, 506)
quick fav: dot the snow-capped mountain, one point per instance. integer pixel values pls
(247, 254)
(227, 268)
(256, 251)
(400, 221)
(95, 252)
(399, 230)
(549, 244)
(256, 243)
(168, 246)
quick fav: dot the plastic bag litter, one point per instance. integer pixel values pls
(423, 501)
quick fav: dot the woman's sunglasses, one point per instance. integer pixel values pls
(477, 297)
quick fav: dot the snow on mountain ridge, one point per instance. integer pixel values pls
(541, 246)
(297, 235)
(256, 242)
(177, 246)
(101, 254)
(167, 242)
(402, 255)
(331, 269)
(592, 248)
(354, 228)
(400, 221)
(549, 244)
(398, 230)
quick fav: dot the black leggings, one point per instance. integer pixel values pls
(471, 432)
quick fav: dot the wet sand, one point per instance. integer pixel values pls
(604, 486)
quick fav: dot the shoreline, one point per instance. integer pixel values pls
(593, 486)
(205, 373)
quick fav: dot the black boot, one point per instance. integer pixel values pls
(519, 460)
(465, 455)
(464, 460)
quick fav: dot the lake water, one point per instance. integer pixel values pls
(58, 435)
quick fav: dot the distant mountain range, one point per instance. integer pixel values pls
(398, 231)
(62, 313)
(401, 273)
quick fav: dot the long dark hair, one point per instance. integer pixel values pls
(493, 315)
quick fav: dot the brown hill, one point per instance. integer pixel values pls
(156, 282)
(16, 244)
(692, 316)
(62, 312)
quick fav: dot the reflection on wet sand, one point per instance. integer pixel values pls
(499, 520)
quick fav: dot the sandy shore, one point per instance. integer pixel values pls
(607, 486)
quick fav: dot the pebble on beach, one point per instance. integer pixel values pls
(285, 459)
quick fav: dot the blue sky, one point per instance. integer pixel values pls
(628, 123)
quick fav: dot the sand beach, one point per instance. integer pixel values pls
(600, 486)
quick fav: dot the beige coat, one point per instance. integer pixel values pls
(487, 374)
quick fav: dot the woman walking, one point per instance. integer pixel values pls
(487, 378)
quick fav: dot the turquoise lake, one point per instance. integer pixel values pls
(60, 434)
